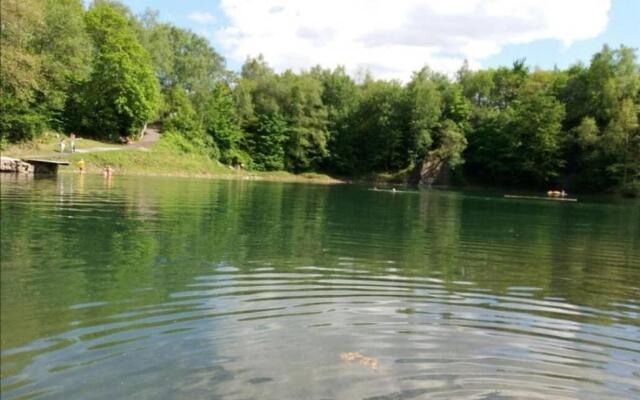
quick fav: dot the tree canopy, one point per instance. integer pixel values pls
(105, 72)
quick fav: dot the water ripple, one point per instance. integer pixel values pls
(119, 293)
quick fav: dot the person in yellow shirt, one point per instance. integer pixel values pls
(80, 165)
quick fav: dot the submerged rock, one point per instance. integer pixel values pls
(360, 359)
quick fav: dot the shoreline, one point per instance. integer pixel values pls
(314, 179)
(247, 176)
(162, 160)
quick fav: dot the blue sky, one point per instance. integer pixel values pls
(393, 38)
(623, 27)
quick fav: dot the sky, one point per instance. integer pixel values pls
(393, 38)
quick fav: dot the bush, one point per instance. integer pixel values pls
(240, 158)
(631, 189)
(20, 121)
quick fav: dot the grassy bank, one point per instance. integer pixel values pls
(160, 159)
(47, 146)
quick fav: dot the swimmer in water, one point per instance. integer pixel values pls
(80, 165)
(107, 171)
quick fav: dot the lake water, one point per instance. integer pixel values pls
(158, 288)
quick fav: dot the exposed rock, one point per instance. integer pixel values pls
(8, 164)
(432, 171)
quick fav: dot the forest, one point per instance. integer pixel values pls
(104, 72)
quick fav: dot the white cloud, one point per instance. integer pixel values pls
(394, 38)
(202, 17)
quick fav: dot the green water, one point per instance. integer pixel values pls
(153, 288)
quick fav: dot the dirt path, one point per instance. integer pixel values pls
(55, 154)
(96, 150)
(152, 135)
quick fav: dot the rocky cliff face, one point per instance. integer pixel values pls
(8, 164)
(432, 171)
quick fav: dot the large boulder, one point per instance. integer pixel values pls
(8, 164)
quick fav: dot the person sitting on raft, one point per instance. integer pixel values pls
(556, 193)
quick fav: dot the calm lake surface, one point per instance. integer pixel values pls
(158, 288)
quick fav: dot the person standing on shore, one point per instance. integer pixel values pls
(72, 142)
(61, 144)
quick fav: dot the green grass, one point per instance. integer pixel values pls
(162, 161)
(165, 163)
(165, 158)
(157, 160)
(47, 146)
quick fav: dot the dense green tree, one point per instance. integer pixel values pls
(220, 122)
(537, 124)
(20, 68)
(122, 92)
(306, 115)
(180, 115)
(196, 65)
(65, 48)
(491, 151)
(451, 144)
(379, 128)
(507, 83)
(45, 49)
(256, 95)
(456, 107)
(518, 141)
(341, 97)
(198, 103)
(423, 112)
(600, 100)
(575, 95)
(587, 133)
(263, 87)
(21, 117)
(476, 85)
(621, 139)
(157, 39)
(266, 142)
(295, 97)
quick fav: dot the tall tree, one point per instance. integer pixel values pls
(122, 92)
(340, 96)
(220, 122)
(65, 48)
(621, 139)
(537, 124)
(379, 128)
(20, 70)
(306, 116)
(266, 142)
